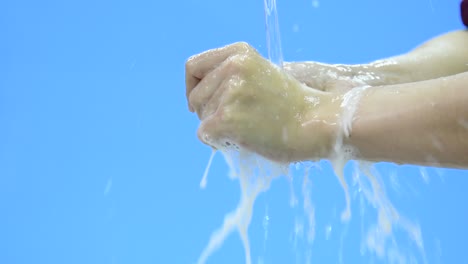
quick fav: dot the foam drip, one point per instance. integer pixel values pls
(207, 169)
(255, 175)
(379, 238)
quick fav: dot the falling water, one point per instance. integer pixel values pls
(380, 237)
(255, 175)
(275, 54)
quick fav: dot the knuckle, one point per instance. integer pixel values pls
(240, 47)
(233, 90)
(191, 62)
(243, 46)
(238, 63)
(234, 62)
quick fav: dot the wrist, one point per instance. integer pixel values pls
(320, 126)
(328, 124)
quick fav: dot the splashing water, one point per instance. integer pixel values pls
(379, 238)
(255, 175)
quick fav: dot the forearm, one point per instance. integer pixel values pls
(416, 123)
(442, 56)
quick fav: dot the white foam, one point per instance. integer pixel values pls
(255, 174)
(349, 105)
(309, 209)
(207, 169)
(379, 237)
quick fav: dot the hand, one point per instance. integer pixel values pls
(243, 100)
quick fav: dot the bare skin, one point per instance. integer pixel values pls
(243, 99)
(416, 111)
(422, 123)
(439, 57)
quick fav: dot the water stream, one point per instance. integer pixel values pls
(273, 37)
(255, 175)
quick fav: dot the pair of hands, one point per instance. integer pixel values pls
(243, 100)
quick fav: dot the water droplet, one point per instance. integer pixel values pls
(315, 3)
(328, 230)
(108, 187)
(295, 28)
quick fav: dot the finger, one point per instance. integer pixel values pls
(198, 66)
(206, 88)
(190, 81)
(216, 100)
(207, 96)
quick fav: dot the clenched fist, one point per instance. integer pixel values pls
(243, 100)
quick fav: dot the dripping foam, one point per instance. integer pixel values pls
(207, 169)
(255, 174)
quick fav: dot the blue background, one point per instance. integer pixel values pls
(99, 159)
